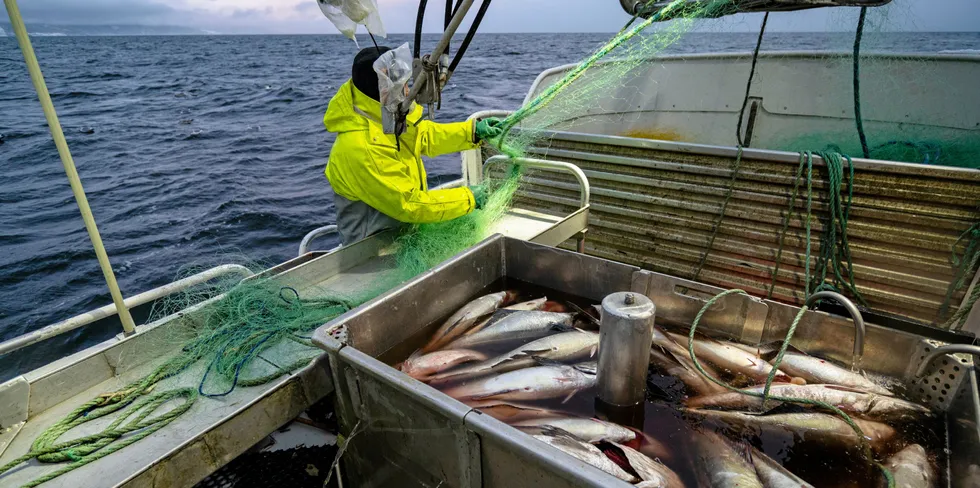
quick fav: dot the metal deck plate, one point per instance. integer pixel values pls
(524, 224)
(215, 430)
(207, 415)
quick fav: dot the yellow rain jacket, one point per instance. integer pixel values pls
(366, 165)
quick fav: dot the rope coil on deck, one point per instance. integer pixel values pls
(249, 319)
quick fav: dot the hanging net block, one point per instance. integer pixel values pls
(645, 9)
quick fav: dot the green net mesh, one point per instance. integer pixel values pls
(581, 92)
(429, 244)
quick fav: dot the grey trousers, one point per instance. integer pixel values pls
(358, 220)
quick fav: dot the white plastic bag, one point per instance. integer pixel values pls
(394, 69)
(346, 15)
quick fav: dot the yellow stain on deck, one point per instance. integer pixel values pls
(655, 134)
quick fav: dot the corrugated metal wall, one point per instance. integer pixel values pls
(654, 204)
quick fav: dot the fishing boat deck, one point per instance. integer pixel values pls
(215, 429)
(210, 434)
(525, 224)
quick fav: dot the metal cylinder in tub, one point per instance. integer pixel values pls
(625, 338)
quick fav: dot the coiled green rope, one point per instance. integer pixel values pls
(133, 401)
(249, 319)
(765, 396)
(835, 250)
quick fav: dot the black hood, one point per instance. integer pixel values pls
(362, 73)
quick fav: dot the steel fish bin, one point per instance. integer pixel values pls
(402, 432)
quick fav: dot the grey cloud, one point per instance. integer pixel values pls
(503, 16)
(96, 12)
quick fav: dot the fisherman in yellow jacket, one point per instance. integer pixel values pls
(379, 183)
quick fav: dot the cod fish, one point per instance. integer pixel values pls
(720, 465)
(586, 429)
(912, 469)
(536, 304)
(511, 412)
(516, 326)
(466, 317)
(732, 358)
(654, 474)
(866, 405)
(536, 383)
(564, 347)
(423, 366)
(586, 453)
(660, 338)
(820, 428)
(816, 370)
(683, 369)
(774, 475)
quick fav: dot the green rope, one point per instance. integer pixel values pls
(765, 395)
(857, 82)
(963, 311)
(782, 233)
(736, 165)
(247, 320)
(748, 84)
(835, 250)
(84, 450)
(964, 263)
(809, 217)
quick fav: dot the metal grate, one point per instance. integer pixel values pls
(942, 380)
(302, 467)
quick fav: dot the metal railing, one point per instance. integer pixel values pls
(304, 245)
(547, 165)
(585, 191)
(87, 318)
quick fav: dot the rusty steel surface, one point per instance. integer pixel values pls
(655, 203)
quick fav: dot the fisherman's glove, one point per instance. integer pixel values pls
(489, 128)
(480, 195)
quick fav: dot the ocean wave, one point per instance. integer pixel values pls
(76, 94)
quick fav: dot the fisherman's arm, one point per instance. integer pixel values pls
(386, 185)
(438, 139)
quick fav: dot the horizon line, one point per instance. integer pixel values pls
(204, 32)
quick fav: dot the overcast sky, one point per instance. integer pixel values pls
(303, 16)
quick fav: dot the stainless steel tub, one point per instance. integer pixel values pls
(405, 433)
